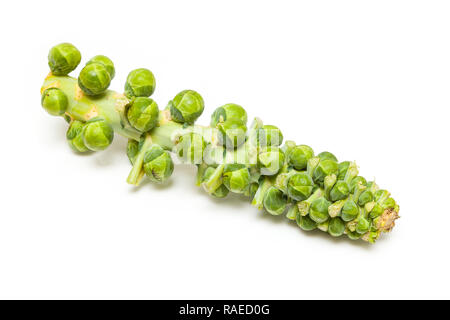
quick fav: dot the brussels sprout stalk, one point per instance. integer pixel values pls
(319, 192)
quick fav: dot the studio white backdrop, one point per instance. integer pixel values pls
(366, 80)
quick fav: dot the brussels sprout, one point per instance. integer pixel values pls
(251, 190)
(300, 186)
(363, 225)
(381, 195)
(371, 236)
(323, 226)
(143, 114)
(232, 133)
(355, 182)
(298, 156)
(140, 83)
(306, 223)
(376, 211)
(288, 146)
(353, 235)
(328, 184)
(312, 165)
(269, 135)
(54, 101)
(388, 204)
(319, 210)
(105, 61)
(213, 180)
(236, 177)
(190, 148)
(221, 192)
(325, 168)
(365, 197)
(335, 209)
(186, 107)
(270, 160)
(97, 134)
(343, 168)
(75, 138)
(94, 79)
(158, 164)
(292, 212)
(304, 206)
(339, 191)
(275, 201)
(350, 210)
(227, 112)
(63, 59)
(327, 156)
(264, 185)
(336, 227)
(132, 150)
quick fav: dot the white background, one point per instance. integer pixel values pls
(366, 80)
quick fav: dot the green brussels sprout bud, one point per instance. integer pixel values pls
(319, 210)
(298, 156)
(236, 177)
(328, 184)
(158, 164)
(251, 190)
(221, 192)
(354, 183)
(327, 156)
(300, 186)
(228, 112)
(190, 148)
(94, 79)
(363, 225)
(340, 191)
(365, 197)
(323, 226)
(389, 204)
(376, 211)
(336, 227)
(353, 235)
(63, 59)
(343, 168)
(350, 210)
(275, 201)
(381, 195)
(140, 83)
(335, 209)
(54, 101)
(97, 134)
(143, 114)
(371, 236)
(306, 223)
(75, 138)
(270, 160)
(323, 169)
(269, 135)
(292, 212)
(232, 133)
(186, 107)
(288, 146)
(132, 150)
(109, 65)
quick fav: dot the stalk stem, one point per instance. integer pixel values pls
(136, 172)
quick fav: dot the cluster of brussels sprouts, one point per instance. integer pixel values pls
(316, 191)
